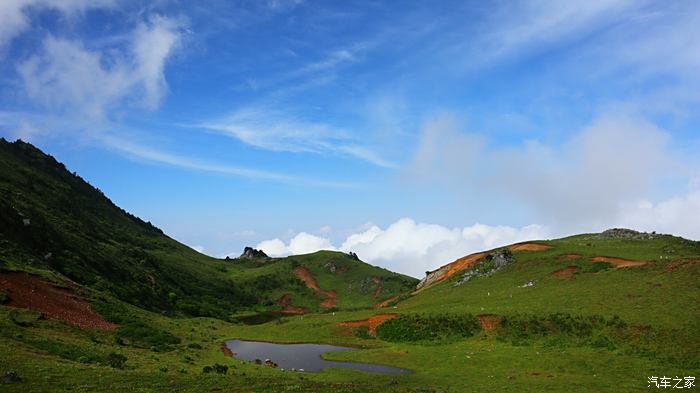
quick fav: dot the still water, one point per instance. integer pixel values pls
(302, 356)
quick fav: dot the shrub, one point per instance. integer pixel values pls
(116, 360)
(415, 327)
(142, 335)
(363, 332)
(194, 346)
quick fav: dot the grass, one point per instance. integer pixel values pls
(602, 329)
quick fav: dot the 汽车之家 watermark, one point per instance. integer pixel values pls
(671, 382)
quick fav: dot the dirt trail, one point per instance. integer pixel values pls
(330, 297)
(386, 302)
(371, 323)
(34, 293)
(529, 247)
(489, 322)
(566, 272)
(620, 262)
(681, 262)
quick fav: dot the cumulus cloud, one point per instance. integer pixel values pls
(410, 247)
(583, 182)
(14, 19)
(302, 243)
(67, 77)
(678, 215)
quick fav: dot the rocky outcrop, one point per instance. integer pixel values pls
(252, 253)
(487, 266)
(624, 233)
(449, 270)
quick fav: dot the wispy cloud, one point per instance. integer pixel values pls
(68, 78)
(14, 19)
(139, 151)
(276, 131)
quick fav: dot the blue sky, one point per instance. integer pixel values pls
(411, 133)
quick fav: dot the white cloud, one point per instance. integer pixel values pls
(276, 131)
(14, 20)
(302, 243)
(409, 247)
(67, 77)
(140, 152)
(582, 182)
(678, 215)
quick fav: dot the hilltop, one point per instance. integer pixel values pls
(56, 225)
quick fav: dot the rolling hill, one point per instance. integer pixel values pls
(93, 299)
(54, 224)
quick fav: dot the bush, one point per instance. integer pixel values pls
(415, 327)
(116, 360)
(142, 335)
(363, 332)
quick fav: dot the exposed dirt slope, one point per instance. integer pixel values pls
(34, 293)
(447, 271)
(371, 322)
(566, 272)
(329, 297)
(387, 301)
(529, 247)
(620, 262)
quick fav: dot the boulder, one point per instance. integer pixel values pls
(252, 253)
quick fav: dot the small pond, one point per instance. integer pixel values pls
(306, 357)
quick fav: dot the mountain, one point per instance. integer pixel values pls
(52, 221)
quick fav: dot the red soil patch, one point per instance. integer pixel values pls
(565, 257)
(226, 350)
(529, 247)
(295, 310)
(305, 275)
(687, 262)
(386, 302)
(620, 262)
(284, 300)
(32, 292)
(489, 322)
(566, 272)
(371, 322)
(330, 300)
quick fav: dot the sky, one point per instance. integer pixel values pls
(411, 133)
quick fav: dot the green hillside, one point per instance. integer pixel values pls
(589, 313)
(355, 284)
(53, 222)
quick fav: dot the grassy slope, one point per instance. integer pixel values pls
(79, 233)
(76, 231)
(480, 363)
(352, 280)
(51, 356)
(646, 295)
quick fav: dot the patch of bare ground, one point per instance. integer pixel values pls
(620, 262)
(329, 297)
(386, 302)
(569, 256)
(529, 246)
(566, 272)
(371, 323)
(681, 262)
(489, 322)
(34, 293)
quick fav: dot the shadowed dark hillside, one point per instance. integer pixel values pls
(51, 219)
